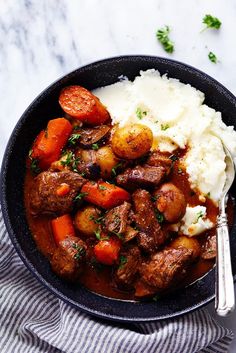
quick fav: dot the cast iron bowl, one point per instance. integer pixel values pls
(45, 107)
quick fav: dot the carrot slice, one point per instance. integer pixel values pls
(104, 194)
(107, 251)
(49, 143)
(81, 104)
(62, 227)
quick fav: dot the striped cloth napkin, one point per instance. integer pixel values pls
(32, 320)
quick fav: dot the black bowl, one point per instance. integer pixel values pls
(45, 107)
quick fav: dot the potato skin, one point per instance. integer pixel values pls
(84, 222)
(131, 142)
(106, 160)
(186, 242)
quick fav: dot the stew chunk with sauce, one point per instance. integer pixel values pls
(107, 209)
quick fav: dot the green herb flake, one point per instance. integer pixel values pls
(73, 139)
(98, 234)
(154, 198)
(163, 36)
(80, 196)
(200, 214)
(69, 159)
(96, 220)
(101, 187)
(164, 127)
(95, 146)
(208, 195)
(34, 166)
(174, 158)
(114, 169)
(123, 261)
(80, 251)
(159, 216)
(140, 113)
(211, 22)
(156, 297)
(212, 57)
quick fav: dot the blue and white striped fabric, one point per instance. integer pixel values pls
(32, 320)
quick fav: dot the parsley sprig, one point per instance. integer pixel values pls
(212, 57)
(162, 35)
(73, 139)
(140, 113)
(211, 22)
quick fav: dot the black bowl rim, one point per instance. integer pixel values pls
(3, 198)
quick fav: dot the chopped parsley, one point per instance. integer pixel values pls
(154, 198)
(73, 139)
(69, 159)
(98, 234)
(140, 113)
(164, 127)
(200, 214)
(211, 22)
(101, 187)
(163, 36)
(80, 196)
(212, 57)
(96, 220)
(34, 166)
(156, 297)
(123, 261)
(159, 216)
(80, 251)
(95, 146)
(208, 195)
(114, 169)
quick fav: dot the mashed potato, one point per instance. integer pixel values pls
(178, 118)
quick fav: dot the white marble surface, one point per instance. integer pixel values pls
(42, 40)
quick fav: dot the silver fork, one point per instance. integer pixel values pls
(225, 300)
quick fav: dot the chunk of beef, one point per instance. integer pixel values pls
(141, 176)
(150, 236)
(126, 272)
(209, 248)
(117, 218)
(166, 268)
(88, 165)
(158, 159)
(68, 258)
(89, 136)
(171, 202)
(129, 234)
(44, 197)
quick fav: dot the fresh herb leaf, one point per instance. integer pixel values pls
(200, 214)
(80, 251)
(211, 22)
(34, 166)
(95, 146)
(165, 126)
(114, 169)
(80, 196)
(74, 165)
(96, 220)
(156, 297)
(98, 234)
(73, 139)
(154, 198)
(140, 113)
(163, 36)
(159, 216)
(123, 261)
(101, 187)
(212, 57)
(208, 194)
(69, 159)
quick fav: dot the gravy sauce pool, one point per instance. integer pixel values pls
(99, 280)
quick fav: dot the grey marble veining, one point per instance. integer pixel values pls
(42, 40)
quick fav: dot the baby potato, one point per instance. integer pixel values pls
(85, 220)
(106, 160)
(133, 141)
(189, 243)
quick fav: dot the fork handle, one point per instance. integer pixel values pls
(225, 300)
